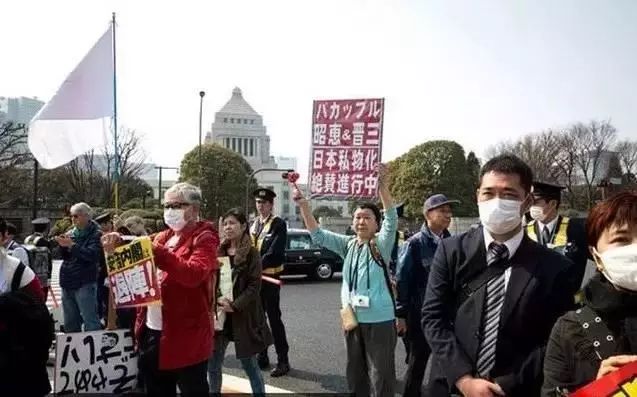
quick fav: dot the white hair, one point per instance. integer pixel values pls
(82, 208)
(191, 194)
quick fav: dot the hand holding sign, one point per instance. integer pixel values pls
(614, 363)
(110, 241)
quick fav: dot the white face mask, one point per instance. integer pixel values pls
(500, 216)
(537, 213)
(174, 218)
(619, 266)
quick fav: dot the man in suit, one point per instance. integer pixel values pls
(269, 235)
(493, 295)
(560, 233)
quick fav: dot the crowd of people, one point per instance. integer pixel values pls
(500, 310)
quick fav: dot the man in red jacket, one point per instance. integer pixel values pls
(175, 339)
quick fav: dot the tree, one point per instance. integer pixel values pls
(627, 153)
(327, 212)
(539, 151)
(223, 179)
(434, 167)
(13, 145)
(591, 143)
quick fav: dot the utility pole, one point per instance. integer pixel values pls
(159, 190)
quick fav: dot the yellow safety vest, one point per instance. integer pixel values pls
(401, 238)
(559, 239)
(257, 241)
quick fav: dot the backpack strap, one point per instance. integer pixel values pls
(378, 258)
(17, 277)
(604, 343)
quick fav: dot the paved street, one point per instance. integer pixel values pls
(317, 349)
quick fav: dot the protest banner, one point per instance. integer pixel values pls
(621, 383)
(225, 289)
(95, 362)
(346, 146)
(132, 274)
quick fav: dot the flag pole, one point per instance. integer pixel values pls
(111, 317)
(115, 131)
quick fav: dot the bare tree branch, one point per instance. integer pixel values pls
(627, 153)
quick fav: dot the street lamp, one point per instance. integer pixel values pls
(160, 168)
(285, 171)
(201, 95)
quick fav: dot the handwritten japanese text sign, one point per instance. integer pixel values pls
(346, 147)
(95, 362)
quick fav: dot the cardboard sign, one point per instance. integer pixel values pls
(225, 289)
(132, 274)
(621, 383)
(95, 362)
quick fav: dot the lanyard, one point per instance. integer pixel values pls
(353, 272)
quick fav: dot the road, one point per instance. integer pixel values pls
(317, 348)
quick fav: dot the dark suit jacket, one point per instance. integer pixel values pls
(576, 249)
(273, 246)
(535, 298)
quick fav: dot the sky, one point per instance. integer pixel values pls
(477, 72)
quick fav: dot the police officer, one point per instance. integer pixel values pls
(38, 239)
(562, 234)
(269, 236)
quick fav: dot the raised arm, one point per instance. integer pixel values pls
(383, 187)
(306, 212)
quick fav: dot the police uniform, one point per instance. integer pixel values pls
(562, 234)
(270, 239)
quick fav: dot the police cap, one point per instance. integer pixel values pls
(103, 217)
(264, 194)
(41, 221)
(547, 191)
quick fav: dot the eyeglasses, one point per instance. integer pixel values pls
(175, 206)
(75, 216)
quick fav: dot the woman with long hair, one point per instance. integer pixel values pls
(244, 323)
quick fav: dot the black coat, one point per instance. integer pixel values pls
(571, 360)
(534, 300)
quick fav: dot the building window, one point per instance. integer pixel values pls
(251, 121)
(286, 208)
(286, 195)
(225, 119)
(245, 121)
(297, 210)
(226, 143)
(234, 144)
(251, 147)
(232, 120)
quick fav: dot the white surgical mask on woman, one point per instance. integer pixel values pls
(500, 216)
(619, 266)
(174, 219)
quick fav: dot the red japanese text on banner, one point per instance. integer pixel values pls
(132, 274)
(346, 147)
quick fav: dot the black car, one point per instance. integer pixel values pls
(304, 258)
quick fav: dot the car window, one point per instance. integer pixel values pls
(300, 242)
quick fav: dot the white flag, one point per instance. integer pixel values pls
(75, 120)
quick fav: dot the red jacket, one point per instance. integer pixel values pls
(186, 288)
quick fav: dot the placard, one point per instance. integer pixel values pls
(95, 362)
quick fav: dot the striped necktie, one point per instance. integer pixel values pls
(546, 236)
(492, 309)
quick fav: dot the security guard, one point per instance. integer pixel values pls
(38, 239)
(269, 236)
(562, 234)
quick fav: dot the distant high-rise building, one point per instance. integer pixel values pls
(19, 110)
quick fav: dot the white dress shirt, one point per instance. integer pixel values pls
(512, 245)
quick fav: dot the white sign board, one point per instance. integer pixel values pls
(225, 289)
(95, 362)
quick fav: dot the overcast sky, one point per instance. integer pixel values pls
(472, 71)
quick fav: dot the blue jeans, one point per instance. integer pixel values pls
(250, 366)
(80, 306)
